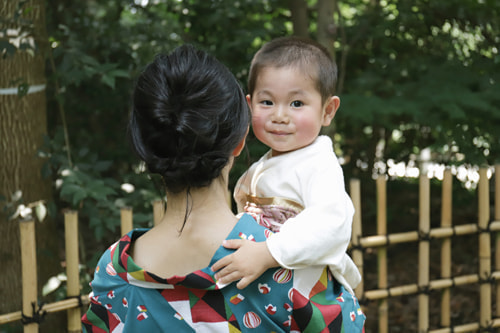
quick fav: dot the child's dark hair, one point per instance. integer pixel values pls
(305, 54)
(189, 114)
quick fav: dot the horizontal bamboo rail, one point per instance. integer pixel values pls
(70, 303)
(413, 236)
(411, 289)
(471, 327)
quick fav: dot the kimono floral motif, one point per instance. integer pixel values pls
(282, 275)
(271, 309)
(264, 288)
(251, 320)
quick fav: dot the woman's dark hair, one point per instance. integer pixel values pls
(189, 114)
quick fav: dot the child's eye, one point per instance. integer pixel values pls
(297, 104)
(266, 102)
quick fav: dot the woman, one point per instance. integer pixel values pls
(188, 123)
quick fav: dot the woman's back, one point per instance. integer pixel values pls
(127, 298)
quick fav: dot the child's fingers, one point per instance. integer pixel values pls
(232, 243)
(221, 263)
(224, 271)
(228, 278)
(244, 282)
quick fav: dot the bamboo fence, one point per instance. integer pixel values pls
(31, 312)
(486, 279)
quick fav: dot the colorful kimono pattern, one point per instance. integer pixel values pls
(125, 298)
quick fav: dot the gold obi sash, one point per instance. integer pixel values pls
(272, 212)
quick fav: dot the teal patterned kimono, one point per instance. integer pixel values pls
(125, 298)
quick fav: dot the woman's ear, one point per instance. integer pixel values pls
(330, 109)
(239, 148)
(241, 145)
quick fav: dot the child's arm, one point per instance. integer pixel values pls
(320, 234)
(246, 264)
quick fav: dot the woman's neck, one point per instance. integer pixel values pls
(187, 209)
(186, 240)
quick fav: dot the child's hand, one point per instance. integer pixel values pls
(250, 260)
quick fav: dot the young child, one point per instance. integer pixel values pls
(297, 188)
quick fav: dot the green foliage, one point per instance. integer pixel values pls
(21, 38)
(234, 30)
(418, 74)
(86, 186)
(421, 75)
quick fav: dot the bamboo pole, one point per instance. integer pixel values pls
(158, 210)
(497, 235)
(126, 219)
(383, 307)
(484, 249)
(446, 221)
(357, 232)
(72, 271)
(29, 272)
(497, 192)
(423, 253)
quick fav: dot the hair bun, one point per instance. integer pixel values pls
(189, 114)
(190, 171)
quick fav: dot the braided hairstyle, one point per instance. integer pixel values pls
(189, 114)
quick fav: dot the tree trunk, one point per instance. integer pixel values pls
(300, 20)
(326, 25)
(23, 125)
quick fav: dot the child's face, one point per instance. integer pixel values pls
(287, 111)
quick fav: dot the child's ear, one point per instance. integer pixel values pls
(330, 109)
(249, 101)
